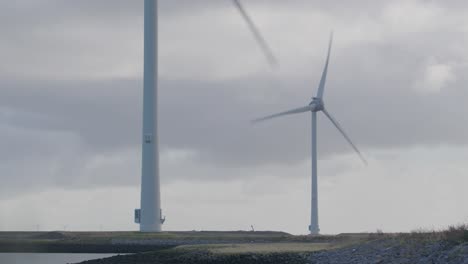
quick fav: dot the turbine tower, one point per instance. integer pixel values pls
(316, 105)
(150, 215)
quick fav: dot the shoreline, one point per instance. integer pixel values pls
(449, 246)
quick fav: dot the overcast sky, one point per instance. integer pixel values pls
(71, 103)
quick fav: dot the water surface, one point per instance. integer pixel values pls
(47, 258)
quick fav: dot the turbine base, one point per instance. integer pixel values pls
(314, 230)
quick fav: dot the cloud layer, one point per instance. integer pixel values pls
(71, 87)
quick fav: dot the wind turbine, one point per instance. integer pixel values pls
(316, 105)
(150, 215)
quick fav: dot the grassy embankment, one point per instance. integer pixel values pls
(132, 242)
(344, 248)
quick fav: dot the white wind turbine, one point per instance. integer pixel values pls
(150, 215)
(315, 106)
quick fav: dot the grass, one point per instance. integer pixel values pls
(454, 233)
(107, 236)
(222, 242)
(457, 233)
(263, 248)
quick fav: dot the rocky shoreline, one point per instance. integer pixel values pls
(203, 257)
(386, 250)
(213, 247)
(396, 251)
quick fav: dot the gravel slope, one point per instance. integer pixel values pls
(393, 250)
(396, 251)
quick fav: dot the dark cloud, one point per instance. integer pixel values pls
(376, 85)
(213, 117)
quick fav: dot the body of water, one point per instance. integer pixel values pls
(46, 258)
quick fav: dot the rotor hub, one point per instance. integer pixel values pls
(317, 104)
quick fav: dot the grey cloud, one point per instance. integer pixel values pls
(213, 117)
(370, 91)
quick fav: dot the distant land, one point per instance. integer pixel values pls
(449, 246)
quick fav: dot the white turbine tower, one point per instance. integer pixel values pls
(315, 106)
(150, 215)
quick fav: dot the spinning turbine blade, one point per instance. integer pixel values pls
(325, 70)
(290, 112)
(258, 37)
(337, 125)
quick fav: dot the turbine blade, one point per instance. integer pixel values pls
(337, 125)
(290, 112)
(258, 37)
(323, 79)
